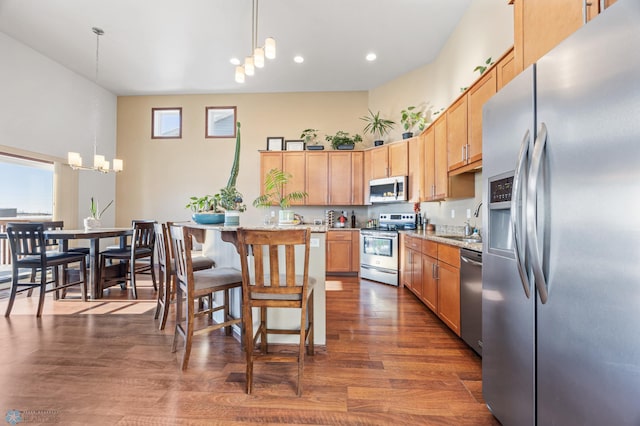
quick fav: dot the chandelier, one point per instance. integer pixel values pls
(259, 52)
(99, 163)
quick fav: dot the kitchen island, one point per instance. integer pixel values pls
(219, 244)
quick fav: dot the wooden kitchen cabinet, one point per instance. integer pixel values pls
(268, 161)
(440, 169)
(432, 272)
(342, 251)
(390, 160)
(539, 25)
(416, 169)
(457, 134)
(317, 178)
(357, 179)
(478, 94)
(294, 163)
(340, 177)
(505, 69)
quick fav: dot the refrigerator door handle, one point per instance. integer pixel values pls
(516, 215)
(532, 225)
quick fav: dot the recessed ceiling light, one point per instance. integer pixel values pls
(235, 61)
(371, 57)
(298, 59)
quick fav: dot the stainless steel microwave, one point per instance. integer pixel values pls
(388, 190)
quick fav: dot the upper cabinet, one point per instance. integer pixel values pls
(505, 69)
(390, 160)
(294, 163)
(346, 178)
(479, 93)
(539, 25)
(317, 178)
(416, 169)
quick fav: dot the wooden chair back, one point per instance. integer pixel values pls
(181, 244)
(26, 240)
(144, 235)
(271, 276)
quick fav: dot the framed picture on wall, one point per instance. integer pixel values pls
(166, 123)
(294, 145)
(275, 143)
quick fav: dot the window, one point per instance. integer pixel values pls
(166, 123)
(27, 186)
(221, 122)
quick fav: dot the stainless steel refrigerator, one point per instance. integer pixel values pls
(561, 272)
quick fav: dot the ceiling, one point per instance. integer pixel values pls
(170, 47)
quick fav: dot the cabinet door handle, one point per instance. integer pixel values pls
(585, 10)
(464, 147)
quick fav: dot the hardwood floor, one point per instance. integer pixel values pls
(388, 360)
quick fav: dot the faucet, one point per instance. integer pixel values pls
(477, 212)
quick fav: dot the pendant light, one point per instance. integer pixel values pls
(268, 50)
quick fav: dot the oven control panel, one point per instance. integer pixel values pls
(393, 221)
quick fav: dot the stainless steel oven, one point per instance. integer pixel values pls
(379, 255)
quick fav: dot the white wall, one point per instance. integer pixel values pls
(48, 109)
(486, 30)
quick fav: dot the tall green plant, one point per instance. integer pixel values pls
(274, 184)
(376, 125)
(235, 168)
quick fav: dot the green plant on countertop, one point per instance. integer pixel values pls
(342, 138)
(231, 199)
(412, 118)
(274, 183)
(95, 211)
(208, 203)
(482, 68)
(309, 136)
(376, 125)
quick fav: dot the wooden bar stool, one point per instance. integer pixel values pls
(192, 287)
(275, 283)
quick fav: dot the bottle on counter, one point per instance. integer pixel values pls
(353, 218)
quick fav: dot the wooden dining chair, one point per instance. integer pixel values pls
(277, 281)
(166, 271)
(142, 247)
(192, 286)
(29, 251)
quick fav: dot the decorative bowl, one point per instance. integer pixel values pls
(207, 218)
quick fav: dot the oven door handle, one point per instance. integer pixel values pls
(384, 271)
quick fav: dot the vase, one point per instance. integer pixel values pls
(346, 146)
(286, 217)
(315, 147)
(232, 218)
(378, 143)
(91, 223)
(207, 218)
(407, 135)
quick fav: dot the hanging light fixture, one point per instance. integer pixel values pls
(268, 50)
(99, 163)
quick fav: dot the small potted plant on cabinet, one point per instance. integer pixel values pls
(274, 194)
(342, 140)
(412, 118)
(377, 126)
(231, 202)
(310, 138)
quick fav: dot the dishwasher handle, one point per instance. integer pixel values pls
(471, 262)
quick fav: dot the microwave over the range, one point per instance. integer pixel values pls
(388, 190)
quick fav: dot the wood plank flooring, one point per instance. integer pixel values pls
(388, 360)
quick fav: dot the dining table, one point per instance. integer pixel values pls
(94, 236)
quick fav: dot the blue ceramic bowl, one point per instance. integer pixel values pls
(207, 218)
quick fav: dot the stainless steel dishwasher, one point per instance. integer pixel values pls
(471, 298)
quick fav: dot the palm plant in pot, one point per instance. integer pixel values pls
(274, 194)
(377, 126)
(342, 140)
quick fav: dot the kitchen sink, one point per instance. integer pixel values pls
(461, 238)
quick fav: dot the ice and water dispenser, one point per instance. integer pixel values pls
(500, 229)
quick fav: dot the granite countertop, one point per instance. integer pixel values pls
(445, 239)
(221, 227)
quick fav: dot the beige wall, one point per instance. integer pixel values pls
(160, 175)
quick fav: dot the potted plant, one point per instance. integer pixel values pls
(377, 126)
(231, 202)
(274, 194)
(342, 140)
(310, 138)
(412, 118)
(93, 221)
(206, 210)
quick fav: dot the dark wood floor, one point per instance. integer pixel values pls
(388, 360)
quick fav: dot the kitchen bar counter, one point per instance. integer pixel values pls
(215, 239)
(442, 238)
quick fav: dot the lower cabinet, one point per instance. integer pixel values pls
(432, 272)
(343, 251)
